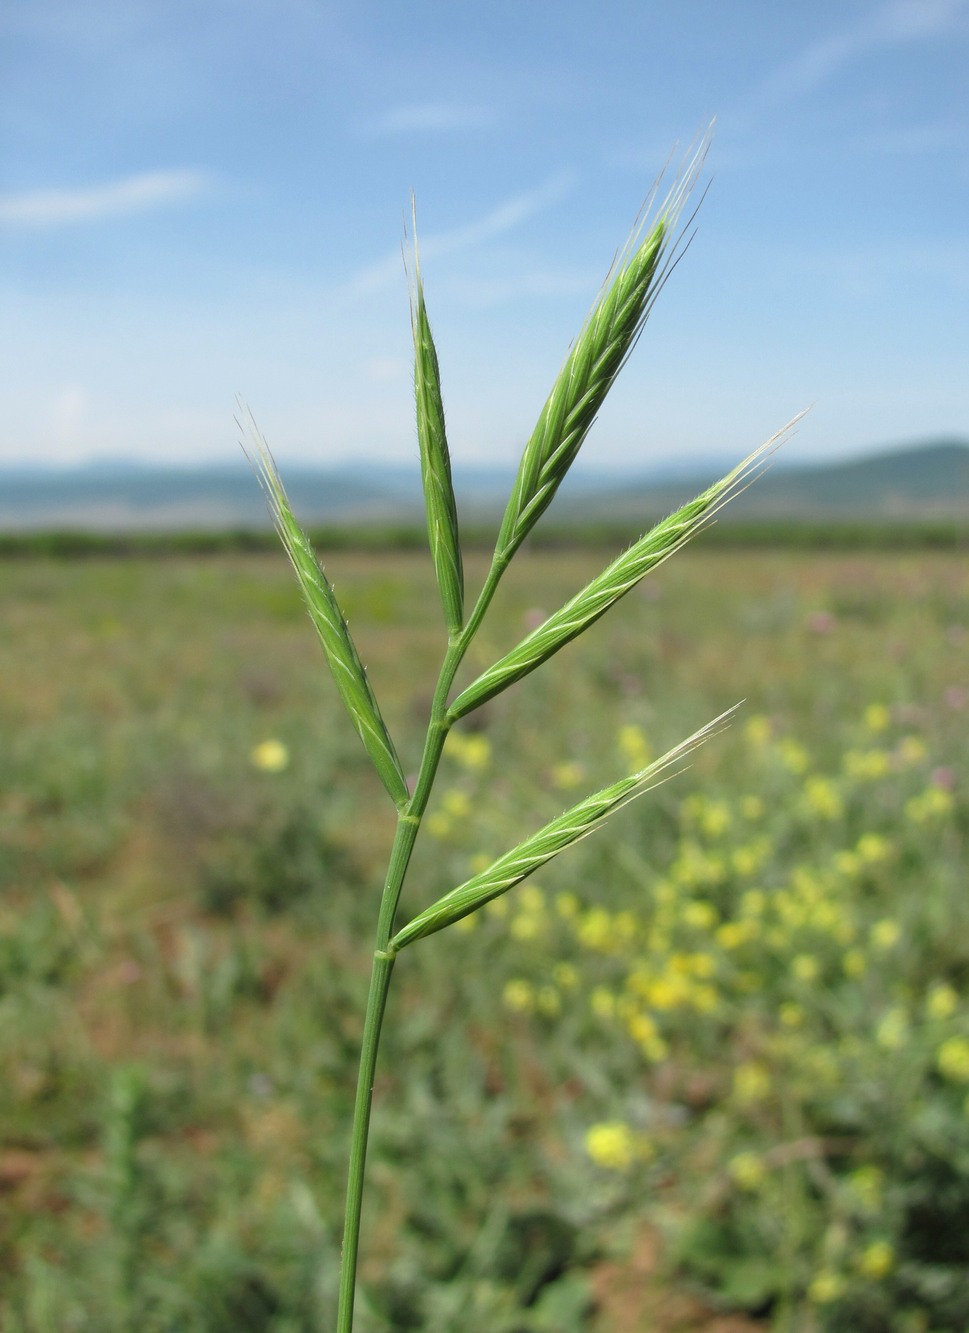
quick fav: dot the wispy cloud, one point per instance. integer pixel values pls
(895, 24)
(432, 118)
(912, 140)
(504, 218)
(139, 193)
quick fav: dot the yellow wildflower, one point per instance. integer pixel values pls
(531, 899)
(805, 967)
(867, 765)
(519, 996)
(757, 731)
(472, 750)
(565, 976)
(525, 926)
(700, 915)
(876, 1260)
(931, 804)
(822, 798)
(747, 1170)
(911, 750)
(847, 864)
(567, 775)
(753, 902)
(270, 756)
(457, 804)
(747, 859)
(872, 848)
(603, 1002)
(594, 930)
(892, 1031)
(647, 1037)
(752, 808)
(567, 905)
(791, 1015)
(885, 934)
(714, 818)
(794, 756)
(826, 1287)
(952, 1059)
(867, 1185)
(877, 717)
(733, 933)
(854, 963)
(751, 1082)
(634, 747)
(941, 1001)
(613, 1145)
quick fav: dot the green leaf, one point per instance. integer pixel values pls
(614, 582)
(341, 654)
(442, 518)
(542, 846)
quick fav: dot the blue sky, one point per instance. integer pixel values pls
(205, 198)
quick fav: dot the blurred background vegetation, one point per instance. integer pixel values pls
(710, 1071)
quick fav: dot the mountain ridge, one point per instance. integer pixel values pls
(924, 480)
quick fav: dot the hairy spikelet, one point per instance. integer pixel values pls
(595, 359)
(614, 582)
(542, 846)
(442, 518)
(341, 654)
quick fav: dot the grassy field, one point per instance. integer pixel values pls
(710, 1071)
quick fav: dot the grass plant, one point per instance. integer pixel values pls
(594, 360)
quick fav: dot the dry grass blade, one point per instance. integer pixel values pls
(341, 654)
(613, 583)
(442, 518)
(595, 359)
(542, 846)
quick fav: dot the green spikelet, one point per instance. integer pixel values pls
(614, 582)
(595, 359)
(542, 846)
(341, 654)
(442, 518)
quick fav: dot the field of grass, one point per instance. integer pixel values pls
(708, 1072)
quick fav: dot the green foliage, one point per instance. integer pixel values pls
(504, 1050)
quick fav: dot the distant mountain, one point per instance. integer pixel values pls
(917, 482)
(923, 481)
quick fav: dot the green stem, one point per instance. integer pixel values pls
(376, 1003)
(408, 825)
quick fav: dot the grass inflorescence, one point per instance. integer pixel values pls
(594, 361)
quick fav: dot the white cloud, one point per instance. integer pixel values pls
(138, 193)
(432, 117)
(504, 218)
(490, 292)
(894, 24)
